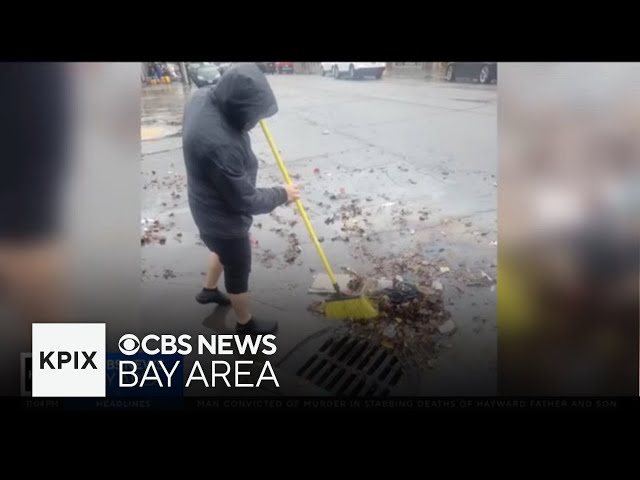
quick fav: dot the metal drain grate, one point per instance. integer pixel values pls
(347, 366)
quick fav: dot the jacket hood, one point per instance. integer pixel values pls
(244, 96)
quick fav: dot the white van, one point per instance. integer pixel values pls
(353, 69)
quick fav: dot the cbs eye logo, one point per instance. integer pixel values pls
(129, 344)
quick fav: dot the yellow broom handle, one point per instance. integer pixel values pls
(301, 209)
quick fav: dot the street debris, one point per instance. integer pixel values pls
(389, 331)
(444, 269)
(293, 250)
(410, 304)
(267, 258)
(484, 275)
(355, 284)
(167, 274)
(153, 232)
(316, 307)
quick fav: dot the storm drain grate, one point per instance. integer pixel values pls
(347, 366)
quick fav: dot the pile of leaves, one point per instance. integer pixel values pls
(411, 305)
(409, 321)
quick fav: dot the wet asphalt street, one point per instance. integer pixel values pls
(419, 158)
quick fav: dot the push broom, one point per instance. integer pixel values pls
(340, 305)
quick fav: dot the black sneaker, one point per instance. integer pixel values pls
(257, 327)
(208, 295)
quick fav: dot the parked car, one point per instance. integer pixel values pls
(192, 68)
(207, 75)
(353, 69)
(223, 67)
(282, 67)
(485, 72)
(267, 67)
(326, 68)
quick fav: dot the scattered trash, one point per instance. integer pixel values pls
(316, 307)
(437, 285)
(484, 275)
(355, 284)
(267, 258)
(412, 231)
(167, 274)
(293, 250)
(384, 283)
(389, 331)
(444, 269)
(316, 171)
(343, 238)
(494, 243)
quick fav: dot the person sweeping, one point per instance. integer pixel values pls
(221, 183)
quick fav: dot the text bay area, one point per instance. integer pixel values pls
(216, 373)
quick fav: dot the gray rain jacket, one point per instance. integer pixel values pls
(221, 167)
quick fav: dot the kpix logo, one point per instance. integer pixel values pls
(68, 360)
(64, 359)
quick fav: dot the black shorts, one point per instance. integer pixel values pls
(235, 256)
(33, 138)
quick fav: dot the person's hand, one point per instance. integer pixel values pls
(293, 193)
